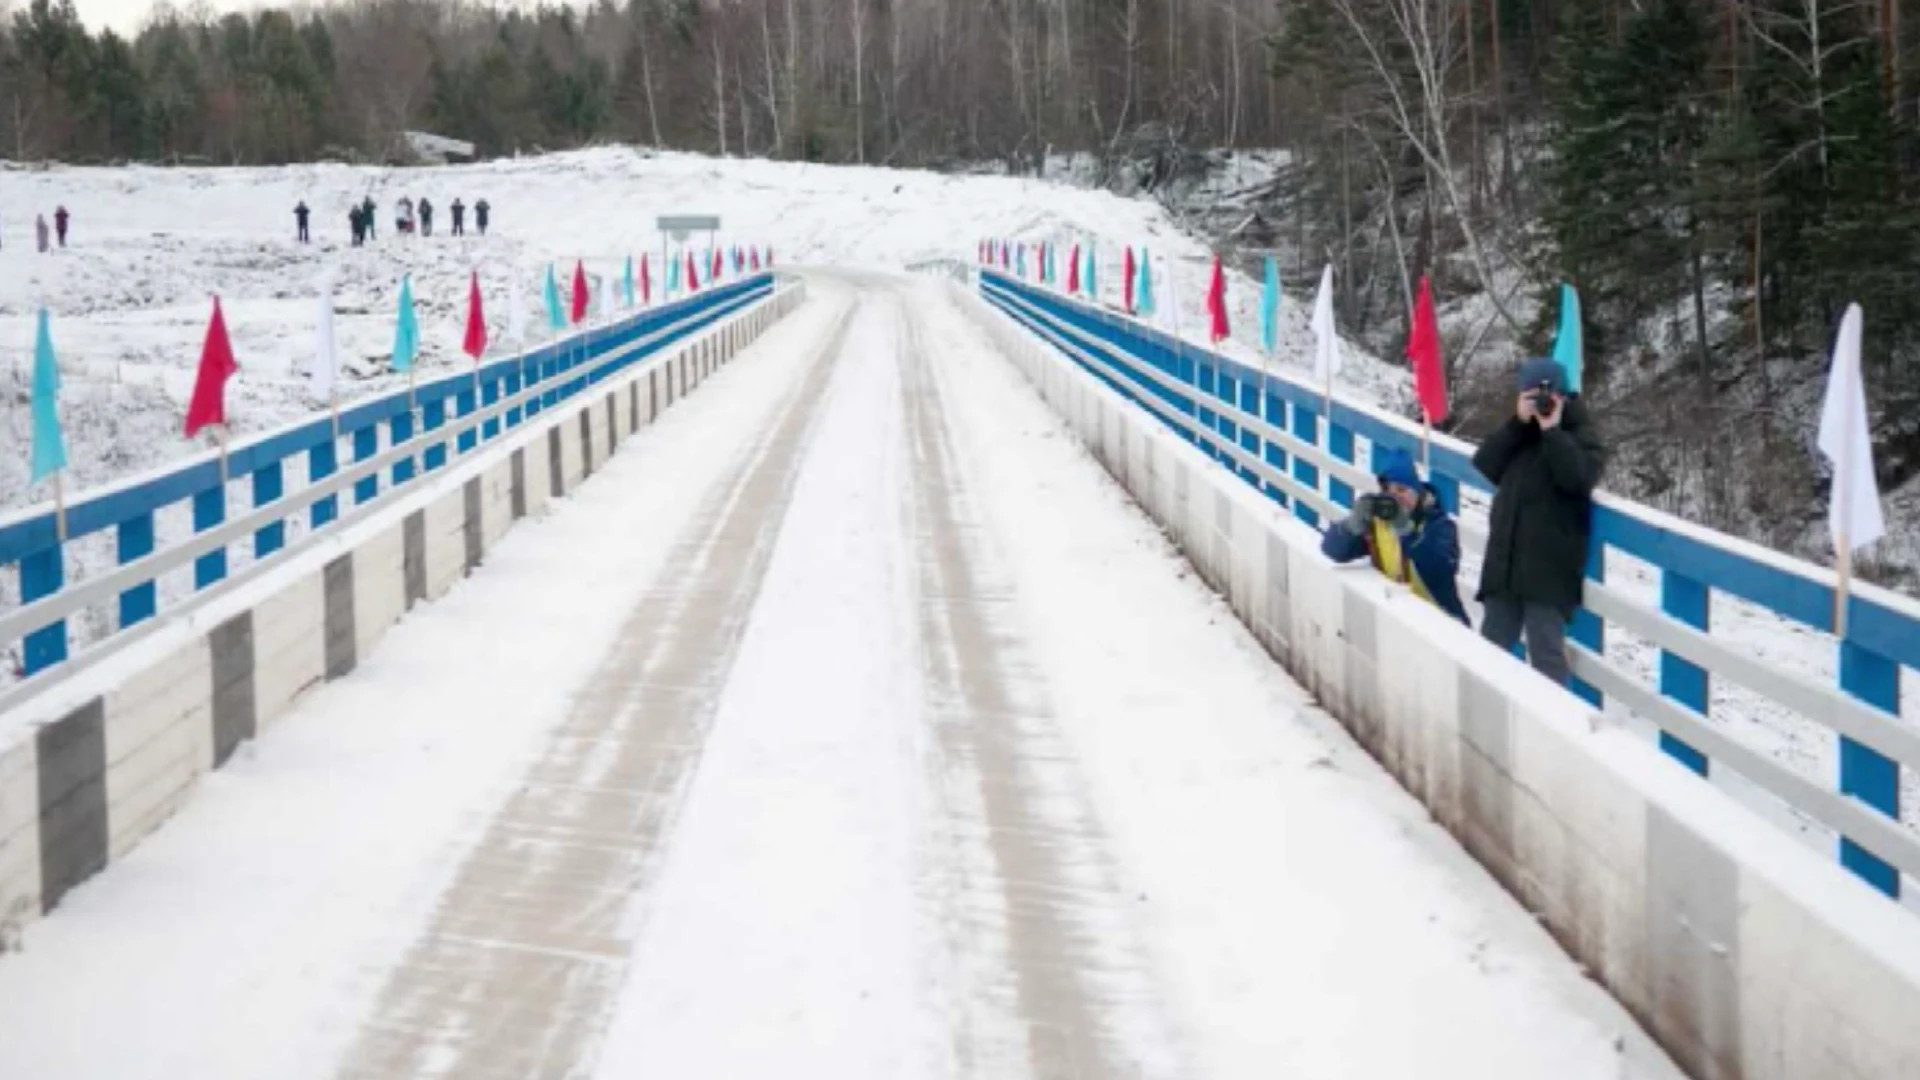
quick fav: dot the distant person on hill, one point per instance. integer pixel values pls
(1405, 532)
(403, 215)
(459, 217)
(60, 224)
(367, 213)
(480, 212)
(426, 217)
(40, 231)
(356, 221)
(300, 212)
(1544, 463)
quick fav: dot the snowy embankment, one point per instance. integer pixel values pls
(150, 245)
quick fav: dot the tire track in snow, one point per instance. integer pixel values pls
(1083, 1002)
(519, 969)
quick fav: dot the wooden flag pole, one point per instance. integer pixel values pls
(1843, 564)
(59, 508)
(1426, 443)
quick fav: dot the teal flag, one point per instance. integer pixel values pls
(49, 447)
(627, 282)
(1567, 346)
(670, 276)
(1046, 263)
(1093, 290)
(1020, 259)
(556, 312)
(406, 330)
(1270, 309)
(1143, 292)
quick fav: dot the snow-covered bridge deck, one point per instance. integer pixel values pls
(849, 723)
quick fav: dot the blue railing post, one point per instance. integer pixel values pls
(1306, 428)
(42, 573)
(433, 414)
(268, 485)
(366, 444)
(323, 461)
(209, 510)
(1250, 437)
(1189, 375)
(1340, 445)
(1203, 381)
(1275, 413)
(1587, 629)
(1687, 601)
(463, 406)
(490, 396)
(133, 539)
(1865, 775)
(400, 429)
(516, 381)
(1227, 390)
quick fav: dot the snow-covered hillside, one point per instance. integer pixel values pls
(149, 246)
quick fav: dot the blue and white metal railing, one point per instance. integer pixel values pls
(1265, 426)
(457, 412)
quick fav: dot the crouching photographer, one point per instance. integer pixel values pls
(1544, 464)
(1406, 532)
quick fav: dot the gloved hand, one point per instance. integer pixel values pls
(1365, 509)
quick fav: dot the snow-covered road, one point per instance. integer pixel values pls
(849, 724)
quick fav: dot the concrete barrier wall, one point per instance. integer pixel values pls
(95, 762)
(1745, 954)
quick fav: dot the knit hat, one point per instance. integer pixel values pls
(1396, 467)
(1540, 371)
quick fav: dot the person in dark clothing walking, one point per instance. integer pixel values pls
(300, 212)
(1544, 464)
(459, 217)
(426, 217)
(60, 224)
(355, 223)
(368, 212)
(480, 212)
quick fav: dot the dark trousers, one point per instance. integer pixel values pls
(303, 232)
(459, 227)
(1503, 621)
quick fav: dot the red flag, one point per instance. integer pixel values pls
(1217, 304)
(769, 254)
(646, 286)
(209, 402)
(693, 277)
(476, 340)
(753, 258)
(1126, 271)
(1423, 352)
(714, 267)
(1073, 270)
(579, 291)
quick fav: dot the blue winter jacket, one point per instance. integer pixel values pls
(1432, 549)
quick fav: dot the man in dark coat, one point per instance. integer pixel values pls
(60, 224)
(1544, 464)
(367, 213)
(459, 216)
(480, 213)
(300, 213)
(426, 217)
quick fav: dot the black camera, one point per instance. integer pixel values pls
(1383, 507)
(1543, 402)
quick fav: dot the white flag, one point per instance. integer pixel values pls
(606, 295)
(516, 309)
(1326, 342)
(325, 372)
(1854, 513)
